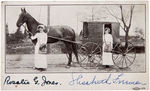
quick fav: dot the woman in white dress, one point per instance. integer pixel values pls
(40, 58)
(107, 48)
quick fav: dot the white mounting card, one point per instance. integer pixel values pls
(74, 45)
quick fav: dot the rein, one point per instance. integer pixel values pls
(61, 39)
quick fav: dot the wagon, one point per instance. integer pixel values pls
(91, 51)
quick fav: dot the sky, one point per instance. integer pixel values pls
(74, 16)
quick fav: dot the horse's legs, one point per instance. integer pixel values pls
(70, 59)
(69, 52)
(74, 49)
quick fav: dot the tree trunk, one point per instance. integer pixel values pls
(126, 39)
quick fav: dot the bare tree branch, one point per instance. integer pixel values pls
(123, 19)
(131, 14)
(120, 24)
(122, 16)
(117, 18)
(126, 17)
(112, 14)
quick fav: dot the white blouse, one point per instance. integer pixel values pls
(41, 38)
(108, 39)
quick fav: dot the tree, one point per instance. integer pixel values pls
(124, 19)
(7, 33)
(6, 29)
(139, 33)
(25, 34)
(19, 36)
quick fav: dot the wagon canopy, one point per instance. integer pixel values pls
(93, 31)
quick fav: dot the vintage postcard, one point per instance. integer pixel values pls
(68, 45)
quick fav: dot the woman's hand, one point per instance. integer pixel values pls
(30, 35)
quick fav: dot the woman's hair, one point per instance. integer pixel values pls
(40, 26)
(107, 28)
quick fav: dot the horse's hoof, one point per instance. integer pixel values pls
(67, 66)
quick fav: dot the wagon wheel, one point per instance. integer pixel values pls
(123, 56)
(90, 55)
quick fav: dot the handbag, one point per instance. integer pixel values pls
(42, 47)
(107, 48)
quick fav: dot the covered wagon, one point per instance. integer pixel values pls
(91, 51)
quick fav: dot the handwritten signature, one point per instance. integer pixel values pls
(76, 80)
(79, 80)
(45, 81)
(8, 81)
(37, 81)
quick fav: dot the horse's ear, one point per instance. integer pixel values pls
(21, 10)
(24, 10)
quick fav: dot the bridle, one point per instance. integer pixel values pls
(26, 30)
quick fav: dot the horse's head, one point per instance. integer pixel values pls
(22, 18)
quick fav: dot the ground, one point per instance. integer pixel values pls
(23, 63)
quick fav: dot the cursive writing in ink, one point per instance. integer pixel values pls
(9, 81)
(80, 80)
(118, 80)
(47, 82)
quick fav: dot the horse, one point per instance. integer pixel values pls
(61, 32)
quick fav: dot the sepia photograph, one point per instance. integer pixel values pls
(81, 45)
(96, 38)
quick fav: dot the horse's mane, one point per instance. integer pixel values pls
(33, 19)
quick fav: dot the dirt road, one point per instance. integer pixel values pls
(24, 63)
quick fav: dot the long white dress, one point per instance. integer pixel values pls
(107, 56)
(40, 58)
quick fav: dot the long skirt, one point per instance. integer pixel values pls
(40, 61)
(40, 58)
(107, 58)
